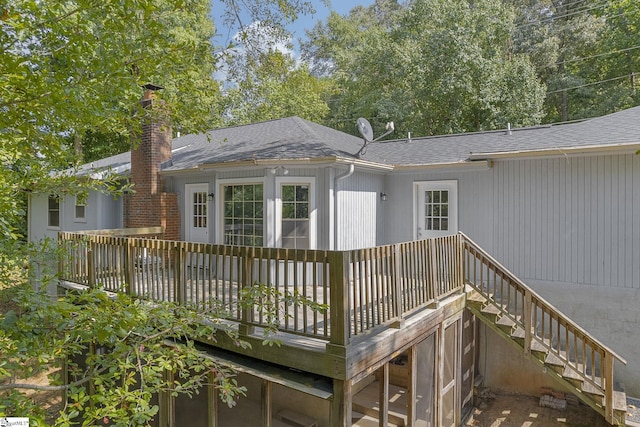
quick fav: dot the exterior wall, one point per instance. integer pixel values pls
(359, 210)
(473, 205)
(358, 202)
(569, 227)
(101, 211)
(570, 220)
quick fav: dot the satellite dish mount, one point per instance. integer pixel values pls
(365, 129)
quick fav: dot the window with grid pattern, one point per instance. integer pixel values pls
(295, 216)
(436, 210)
(199, 215)
(243, 214)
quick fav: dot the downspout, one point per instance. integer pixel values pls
(338, 178)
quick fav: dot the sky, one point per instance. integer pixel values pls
(342, 7)
(304, 22)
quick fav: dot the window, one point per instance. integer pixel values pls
(243, 214)
(199, 207)
(295, 216)
(80, 210)
(436, 210)
(53, 211)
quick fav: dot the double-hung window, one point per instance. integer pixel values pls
(53, 212)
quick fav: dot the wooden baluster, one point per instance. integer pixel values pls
(527, 321)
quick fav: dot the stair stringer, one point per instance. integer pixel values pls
(599, 407)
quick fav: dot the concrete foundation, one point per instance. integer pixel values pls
(612, 315)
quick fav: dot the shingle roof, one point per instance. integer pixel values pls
(294, 138)
(618, 128)
(291, 138)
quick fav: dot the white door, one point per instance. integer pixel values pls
(436, 209)
(197, 212)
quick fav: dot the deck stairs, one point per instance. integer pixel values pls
(568, 354)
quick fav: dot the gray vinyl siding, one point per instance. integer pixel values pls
(101, 212)
(564, 220)
(571, 220)
(473, 207)
(322, 193)
(359, 207)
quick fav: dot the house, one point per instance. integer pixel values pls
(558, 206)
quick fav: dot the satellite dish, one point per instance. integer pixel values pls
(365, 129)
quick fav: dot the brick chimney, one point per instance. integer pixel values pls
(150, 205)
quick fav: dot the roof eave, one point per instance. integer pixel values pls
(469, 166)
(624, 148)
(266, 163)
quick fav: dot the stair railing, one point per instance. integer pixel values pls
(542, 325)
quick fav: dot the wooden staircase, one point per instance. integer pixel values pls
(569, 354)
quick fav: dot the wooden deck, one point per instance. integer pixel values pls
(328, 295)
(339, 312)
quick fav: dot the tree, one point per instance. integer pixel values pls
(432, 67)
(273, 86)
(68, 68)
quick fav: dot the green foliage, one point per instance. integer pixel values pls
(71, 71)
(130, 346)
(72, 66)
(121, 352)
(432, 67)
(584, 52)
(269, 85)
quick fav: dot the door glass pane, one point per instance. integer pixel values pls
(199, 215)
(448, 408)
(436, 210)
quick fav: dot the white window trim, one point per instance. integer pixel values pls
(219, 204)
(311, 182)
(451, 186)
(75, 204)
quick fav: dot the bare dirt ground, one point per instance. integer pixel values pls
(525, 411)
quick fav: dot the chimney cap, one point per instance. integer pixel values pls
(151, 86)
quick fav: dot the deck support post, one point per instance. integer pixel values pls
(179, 273)
(397, 283)
(128, 266)
(266, 403)
(339, 308)
(91, 265)
(383, 396)
(341, 403)
(412, 385)
(212, 402)
(608, 388)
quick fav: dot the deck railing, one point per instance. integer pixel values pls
(361, 289)
(542, 326)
